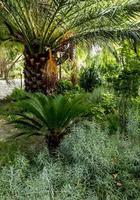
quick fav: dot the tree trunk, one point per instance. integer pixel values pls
(34, 74)
(53, 142)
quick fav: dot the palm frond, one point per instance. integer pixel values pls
(54, 113)
(40, 24)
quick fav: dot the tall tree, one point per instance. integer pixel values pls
(49, 29)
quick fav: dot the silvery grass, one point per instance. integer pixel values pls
(133, 124)
(90, 166)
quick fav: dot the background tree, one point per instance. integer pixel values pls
(48, 27)
(10, 57)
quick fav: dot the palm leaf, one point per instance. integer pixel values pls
(46, 22)
(55, 114)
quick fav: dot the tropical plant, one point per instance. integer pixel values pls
(50, 116)
(126, 87)
(17, 95)
(127, 83)
(64, 86)
(51, 28)
(89, 79)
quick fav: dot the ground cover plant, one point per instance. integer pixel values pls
(90, 165)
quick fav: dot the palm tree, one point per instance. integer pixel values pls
(49, 29)
(50, 116)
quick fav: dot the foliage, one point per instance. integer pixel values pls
(11, 60)
(91, 165)
(10, 149)
(64, 86)
(17, 95)
(127, 83)
(103, 159)
(125, 73)
(89, 79)
(50, 116)
(103, 103)
(111, 71)
(8, 153)
(55, 24)
(133, 122)
(104, 109)
(9, 104)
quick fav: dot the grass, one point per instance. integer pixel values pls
(90, 165)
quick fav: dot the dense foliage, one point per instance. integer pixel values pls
(77, 137)
(50, 116)
(90, 165)
(89, 79)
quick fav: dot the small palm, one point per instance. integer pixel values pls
(51, 115)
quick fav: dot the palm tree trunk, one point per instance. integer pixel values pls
(33, 72)
(53, 142)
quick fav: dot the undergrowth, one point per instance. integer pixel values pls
(90, 165)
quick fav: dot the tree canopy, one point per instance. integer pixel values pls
(41, 24)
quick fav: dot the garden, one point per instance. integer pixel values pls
(69, 100)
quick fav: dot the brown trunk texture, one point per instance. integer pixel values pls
(33, 72)
(53, 142)
(34, 76)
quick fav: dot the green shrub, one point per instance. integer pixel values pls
(8, 152)
(91, 165)
(133, 123)
(8, 106)
(127, 83)
(89, 79)
(9, 149)
(64, 86)
(103, 109)
(17, 95)
(110, 164)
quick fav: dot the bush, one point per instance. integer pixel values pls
(133, 123)
(17, 95)
(91, 166)
(127, 83)
(8, 152)
(9, 149)
(110, 166)
(104, 109)
(8, 105)
(64, 86)
(89, 79)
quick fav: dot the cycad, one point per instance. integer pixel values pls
(50, 116)
(48, 28)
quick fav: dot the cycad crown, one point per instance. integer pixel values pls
(50, 116)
